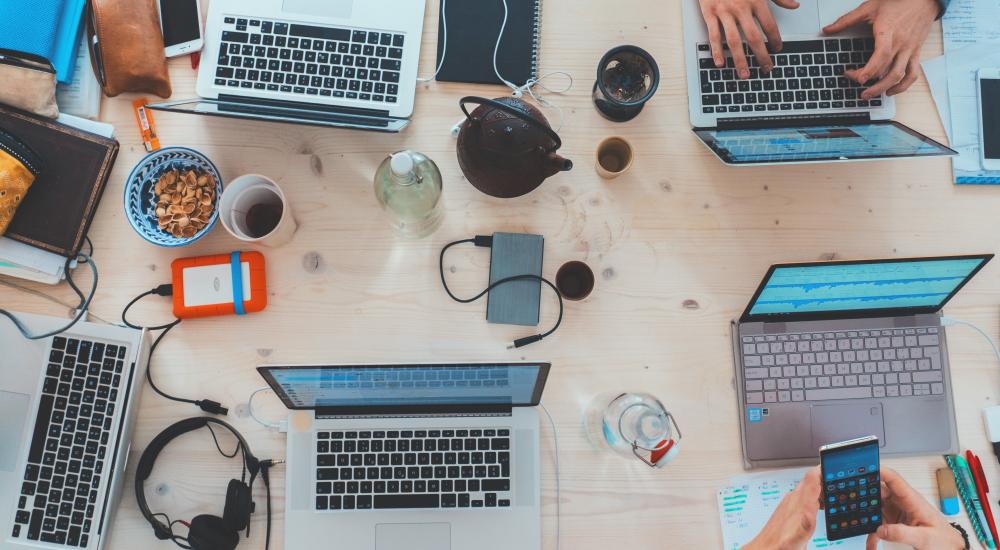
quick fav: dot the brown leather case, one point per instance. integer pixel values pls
(56, 214)
(129, 54)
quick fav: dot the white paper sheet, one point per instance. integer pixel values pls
(748, 501)
(970, 22)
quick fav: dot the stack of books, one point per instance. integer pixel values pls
(51, 223)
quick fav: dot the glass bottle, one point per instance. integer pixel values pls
(408, 187)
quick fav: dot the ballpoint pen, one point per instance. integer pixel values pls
(976, 467)
(975, 511)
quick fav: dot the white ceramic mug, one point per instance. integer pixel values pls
(245, 192)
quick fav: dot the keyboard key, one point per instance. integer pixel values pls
(407, 501)
(838, 393)
(327, 33)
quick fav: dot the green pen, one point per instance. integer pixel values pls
(969, 486)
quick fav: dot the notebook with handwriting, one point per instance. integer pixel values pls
(473, 27)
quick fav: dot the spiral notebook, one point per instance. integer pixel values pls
(473, 28)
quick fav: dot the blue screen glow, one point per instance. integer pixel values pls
(401, 385)
(855, 141)
(843, 287)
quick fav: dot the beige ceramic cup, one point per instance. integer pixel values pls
(614, 157)
(254, 209)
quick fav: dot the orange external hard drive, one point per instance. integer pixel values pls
(224, 284)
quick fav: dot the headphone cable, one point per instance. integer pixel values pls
(485, 241)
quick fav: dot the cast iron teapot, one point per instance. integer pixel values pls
(506, 147)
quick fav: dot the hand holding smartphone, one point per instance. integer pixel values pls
(989, 118)
(180, 21)
(852, 487)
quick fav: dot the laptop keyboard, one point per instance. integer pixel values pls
(441, 468)
(808, 75)
(308, 60)
(842, 365)
(62, 480)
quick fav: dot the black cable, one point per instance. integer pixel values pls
(265, 466)
(487, 242)
(207, 405)
(81, 309)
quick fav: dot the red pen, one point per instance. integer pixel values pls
(982, 488)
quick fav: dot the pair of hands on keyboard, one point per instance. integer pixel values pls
(909, 518)
(899, 26)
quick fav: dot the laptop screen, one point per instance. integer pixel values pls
(870, 140)
(881, 287)
(310, 387)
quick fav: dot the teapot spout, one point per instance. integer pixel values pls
(554, 163)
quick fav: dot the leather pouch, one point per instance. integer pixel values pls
(128, 54)
(19, 166)
(29, 83)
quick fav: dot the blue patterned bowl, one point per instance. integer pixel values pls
(140, 202)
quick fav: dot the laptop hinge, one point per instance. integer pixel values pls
(303, 106)
(784, 121)
(414, 411)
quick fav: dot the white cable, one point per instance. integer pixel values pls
(529, 86)
(555, 439)
(272, 425)
(444, 40)
(948, 321)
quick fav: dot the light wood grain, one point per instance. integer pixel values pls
(678, 245)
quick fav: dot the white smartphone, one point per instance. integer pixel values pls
(989, 118)
(180, 21)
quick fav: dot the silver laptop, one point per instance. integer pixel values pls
(831, 351)
(67, 405)
(344, 63)
(412, 457)
(806, 109)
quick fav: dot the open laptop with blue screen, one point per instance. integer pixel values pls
(412, 457)
(806, 109)
(831, 351)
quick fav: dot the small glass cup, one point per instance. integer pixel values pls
(627, 77)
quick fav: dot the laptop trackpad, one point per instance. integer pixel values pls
(323, 8)
(13, 412)
(413, 536)
(835, 423)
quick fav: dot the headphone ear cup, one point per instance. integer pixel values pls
(236, 514)
(211, 533)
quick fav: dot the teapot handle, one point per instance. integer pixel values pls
(513, 111)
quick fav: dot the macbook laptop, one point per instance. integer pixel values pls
(412, 457)
(67, 405)
(805, 109)
(830, 351)
(344, 63)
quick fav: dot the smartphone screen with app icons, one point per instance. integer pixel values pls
(852, 488)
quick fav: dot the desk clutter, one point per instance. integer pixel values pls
(827, 355)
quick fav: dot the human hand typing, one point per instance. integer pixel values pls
(900, 28)
(725, 20)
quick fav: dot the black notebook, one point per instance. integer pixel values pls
(473, 27)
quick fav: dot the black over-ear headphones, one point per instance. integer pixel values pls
(206, 532)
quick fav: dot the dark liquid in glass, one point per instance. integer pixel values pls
(262, 218)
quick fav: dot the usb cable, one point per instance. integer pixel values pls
(486, 241)
(991, 415)
(207, 405)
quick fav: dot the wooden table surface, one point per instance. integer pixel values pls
(678, 246)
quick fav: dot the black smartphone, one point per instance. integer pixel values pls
(852, 487)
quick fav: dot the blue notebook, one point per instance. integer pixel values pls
(49, 28)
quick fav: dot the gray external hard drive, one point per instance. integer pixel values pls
(516, 302)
